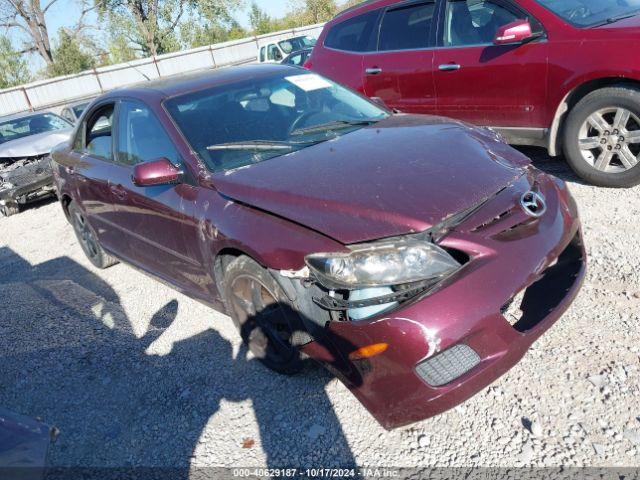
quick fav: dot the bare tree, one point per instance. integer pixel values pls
(29, 17)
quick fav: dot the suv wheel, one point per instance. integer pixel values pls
(88, 240)
(602, 137)
(263, 314)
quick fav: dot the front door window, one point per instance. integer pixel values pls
(474, 22)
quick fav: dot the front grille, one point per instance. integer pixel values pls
(532, 305)
(446, 366)
(30, 172)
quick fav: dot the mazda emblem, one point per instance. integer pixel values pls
(533, 204)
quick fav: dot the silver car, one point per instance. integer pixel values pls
(26, 140)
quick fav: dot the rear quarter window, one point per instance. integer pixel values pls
(356, 34)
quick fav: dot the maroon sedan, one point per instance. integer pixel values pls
(330, 228)
(560, 74)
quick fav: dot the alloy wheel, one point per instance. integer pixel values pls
(263, 321)
(609, 140)
(85, 235)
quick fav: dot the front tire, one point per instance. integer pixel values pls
(264, 316)
(88, 239)
(9, 209)
(602, 137)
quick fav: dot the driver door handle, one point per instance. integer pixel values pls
(373, 71)
(449, 67)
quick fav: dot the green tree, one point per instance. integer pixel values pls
(151, 25)
(307, 12)
(259, 20)
(201, 30)
(69, 56)
(13, 67)
(119, 50)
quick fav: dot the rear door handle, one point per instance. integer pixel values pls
(373, 71)
(449, 67)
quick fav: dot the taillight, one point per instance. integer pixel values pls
(307, 64)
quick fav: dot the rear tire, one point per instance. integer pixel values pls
(602, 137)
(263, 314)
(88, 239)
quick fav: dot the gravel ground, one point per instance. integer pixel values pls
(134, 373)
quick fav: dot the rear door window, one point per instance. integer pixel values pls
(262, 53)
(407, 27)
(356, 34)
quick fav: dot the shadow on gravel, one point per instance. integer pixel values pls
(70, 357)
(552, 165)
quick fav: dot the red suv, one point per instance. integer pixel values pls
(561, 74)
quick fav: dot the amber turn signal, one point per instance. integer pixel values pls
(368, 351)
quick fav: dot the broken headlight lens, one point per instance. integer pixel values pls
(6, 185)
(384, 263)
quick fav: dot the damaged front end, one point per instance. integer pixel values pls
(377, 277)
(24, 180)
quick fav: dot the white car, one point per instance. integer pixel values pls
(274, 51)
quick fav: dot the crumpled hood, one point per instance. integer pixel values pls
(402, 175)
(34, 145)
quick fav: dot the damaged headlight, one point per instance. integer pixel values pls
(384, 263)
(6, 185)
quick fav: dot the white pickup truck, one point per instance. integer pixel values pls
(274, 51)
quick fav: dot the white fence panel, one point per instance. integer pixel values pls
(14, 100)
(123, 74)
(238, 51)
(174, 63)
(59, 91)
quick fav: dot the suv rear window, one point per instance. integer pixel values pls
(407, 27)
(354, 34)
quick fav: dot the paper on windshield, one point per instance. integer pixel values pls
(309, 82)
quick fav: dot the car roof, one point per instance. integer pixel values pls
(17, 116)
(180, 84)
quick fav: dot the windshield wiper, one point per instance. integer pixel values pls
(615, 19)
(332, 125)
(264, 145)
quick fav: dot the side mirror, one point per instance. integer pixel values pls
(513, 33)
(156, 172)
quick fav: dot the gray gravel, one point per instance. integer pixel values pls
(133, 373)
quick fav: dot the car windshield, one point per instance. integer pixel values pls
(590, 13)
(248, 122)
(31, 125)
(297, 43)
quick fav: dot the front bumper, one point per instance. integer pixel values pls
(30, 183)
(509, 253)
